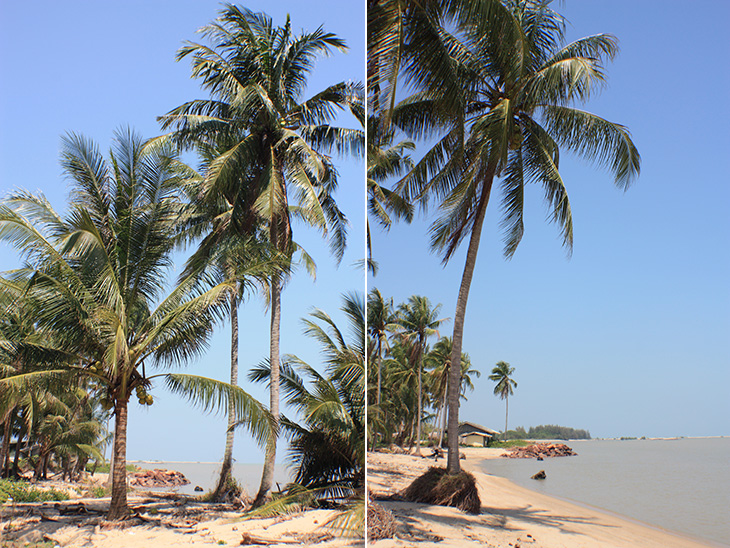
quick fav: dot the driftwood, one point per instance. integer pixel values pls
(539, 451)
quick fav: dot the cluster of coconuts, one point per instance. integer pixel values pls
(95, 367)
(106, 403)
(143, 397)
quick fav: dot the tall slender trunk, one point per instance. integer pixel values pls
(443, 419)
(506, 413)
(420, 407)
(118, 508)
(453, 465)
(380, 367)
(225, 477)
(267, 476)
(5, 451)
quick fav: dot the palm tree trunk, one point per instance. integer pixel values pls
(443, 419)
(5, 452)
(453, 465)
(118, 508)
(420, 405)
(380, 367)
(267, 476)
(225, 477)
(506, 413)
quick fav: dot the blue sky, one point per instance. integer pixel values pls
(90, 67)
(630, 336)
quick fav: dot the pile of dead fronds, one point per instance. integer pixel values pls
(438, 487)
(381, 522)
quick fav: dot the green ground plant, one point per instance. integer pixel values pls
(21, 491)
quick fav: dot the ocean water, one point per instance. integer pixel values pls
(205, 475)
(682, 485)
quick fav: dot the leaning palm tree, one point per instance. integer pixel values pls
(502, 375)
(257, 75)
(504, 123)
(418, 321)
(99, 271)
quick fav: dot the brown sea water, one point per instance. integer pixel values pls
(682, 485)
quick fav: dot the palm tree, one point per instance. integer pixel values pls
(505, 121)
(501, 374)
(418, 322)
(327, 448)
(438, 361)
(229, 244)
(257, 74)
(98, 272)
(385, 160)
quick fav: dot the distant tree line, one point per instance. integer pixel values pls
(548, 432)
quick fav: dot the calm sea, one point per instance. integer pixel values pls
(682, 485)
(205, 474)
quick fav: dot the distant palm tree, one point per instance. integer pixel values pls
(418, 322)
(501, 374)
(99, 273)
(438, 361)
(257, 74)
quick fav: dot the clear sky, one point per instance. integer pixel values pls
(630, 337)
(90, 67)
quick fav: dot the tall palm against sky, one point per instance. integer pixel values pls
(99, 272)
(226, 246)
(257, 74)
(506, 120)
(502, 375)
(418, 322)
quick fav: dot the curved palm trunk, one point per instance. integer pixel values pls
(267, 476)
(380, 368)
(452, 465)
(226, 476)
(118, 508)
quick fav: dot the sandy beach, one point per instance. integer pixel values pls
(160, 520)
(511, 515)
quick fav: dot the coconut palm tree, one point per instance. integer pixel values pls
(99, 271)
(502, 375)
(257, 74)
(385, 160)
(438, 361)
(226, 245)
(327, 446)
(418, 321)
(512, 111)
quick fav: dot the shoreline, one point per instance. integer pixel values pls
(510, 513)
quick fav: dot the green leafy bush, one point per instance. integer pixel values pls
(21, 491)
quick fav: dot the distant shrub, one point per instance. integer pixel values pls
(548, 432)
(21, 491)
(507, 444)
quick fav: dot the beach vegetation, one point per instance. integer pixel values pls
(273, 139)
(97, 277)
(326, 444)
(549, 432)
(504, 387)
(22, 491)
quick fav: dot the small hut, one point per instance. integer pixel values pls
(475, 435)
